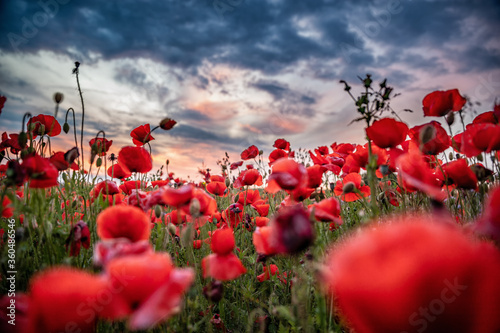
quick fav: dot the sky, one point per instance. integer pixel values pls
(235, 73)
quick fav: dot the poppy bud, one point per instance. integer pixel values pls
(213, 291)
(58, 97)
(168, 162)
(237, 198)
(42, 129)
(167, 124)
(194, 208)
(384, 169)
(98, 163)
(158, 211)
(450, 156)
(22, 139)
(66, 128)
(480, 157)
(427, 134)
(261, 152)
(171, 228)
(227, 182)
(348, 188)
(450, 118)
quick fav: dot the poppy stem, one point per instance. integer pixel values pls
(76, 72)
(74, 125)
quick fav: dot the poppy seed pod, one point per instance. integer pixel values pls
(58, 97)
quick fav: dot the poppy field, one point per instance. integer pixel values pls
(399, 233)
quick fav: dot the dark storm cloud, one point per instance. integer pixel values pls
(260, 35)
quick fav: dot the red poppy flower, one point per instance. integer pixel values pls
(223, 264)
(43, 124)
(261, 221)
(233, 214)
(262, 240)
(106, 187)
(5, 208)
(350, 188)
(101, 146)
(291, 230)
(262, 209)
(286, 174)
(135, 159)
(42, 173)
(79, 235)
(327, 210)
(343, 149)
(269, 271)
(222, 241)
(431, 138)
(130, 185)
(64, 297)
(205, 205)
(222, 267)
(315, 175)
(106, 250)
(248, 197)
(159, 183)
(486, 117)
(415, 275)
(217, 186)
(276, 155)
(11, 141)
(480, 137)
(387, 132)
(117, 171)
(459, 173)
(141, 135)
(123, 221)
(150, 286)
(178, 197)
(439, 103)
(58, 160)
(415, 174)
(249, 153)
(235, 165)
(3, 99)
(489, 223)
(282, 144)
(167, 124)
(247, 178)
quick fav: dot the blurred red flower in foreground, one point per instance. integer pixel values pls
(439, 103)
(148, 287)
(223, 264)
(64, 297)
(123, 222)
(387, 132)
(415, 275)
(135, 159)
(141, 135)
